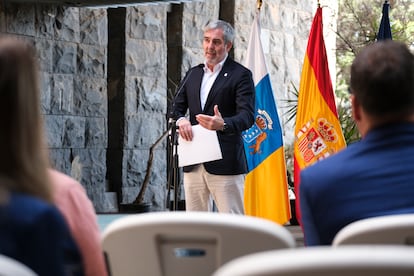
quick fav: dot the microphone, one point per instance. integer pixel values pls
(180, 89)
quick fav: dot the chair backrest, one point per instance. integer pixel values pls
(186, 243)
(362, 260)
(390, 229)
(11, 267)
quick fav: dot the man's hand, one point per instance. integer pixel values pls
(215, 122)
(185, 130)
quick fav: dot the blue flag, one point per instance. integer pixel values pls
(385, 27)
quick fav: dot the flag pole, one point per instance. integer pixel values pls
(259, 4)
(384, 31)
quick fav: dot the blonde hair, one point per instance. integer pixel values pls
(23, 152)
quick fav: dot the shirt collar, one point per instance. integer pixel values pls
(217, 67)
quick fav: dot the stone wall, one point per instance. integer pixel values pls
(108, 75)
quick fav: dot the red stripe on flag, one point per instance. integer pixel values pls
(319, 61)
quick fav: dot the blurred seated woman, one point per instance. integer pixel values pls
(32, 230)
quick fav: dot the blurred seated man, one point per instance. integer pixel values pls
(375, 176)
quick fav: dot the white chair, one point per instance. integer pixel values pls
(11, 267)
(325, 261)
(186, 243)
(391, 229)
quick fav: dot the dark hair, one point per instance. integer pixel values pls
(382, 79)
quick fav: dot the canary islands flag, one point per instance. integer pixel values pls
(318, 132)
(266, 190)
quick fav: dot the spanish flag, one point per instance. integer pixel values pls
(318, 132)
(266, 189)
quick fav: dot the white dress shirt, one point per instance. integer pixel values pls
(208, 80)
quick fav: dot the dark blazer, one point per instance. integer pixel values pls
(234, 93)
(35, 233)
(370, 178)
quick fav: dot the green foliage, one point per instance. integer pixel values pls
(349, 129)
(291, 104)
(358, 25)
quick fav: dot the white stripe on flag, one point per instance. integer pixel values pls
(255, 60)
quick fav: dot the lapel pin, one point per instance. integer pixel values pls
(225, 74)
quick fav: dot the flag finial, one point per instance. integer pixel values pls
(259, 4)
(319, 4)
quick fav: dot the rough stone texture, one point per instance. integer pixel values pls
(66, 25)
(96, 20)
(145, 104)
(72, 48)
(195, 16)
(71, 44)
(20, 19)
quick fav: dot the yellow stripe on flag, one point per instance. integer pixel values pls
(261, 192)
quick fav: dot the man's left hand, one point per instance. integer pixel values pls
(214, 122)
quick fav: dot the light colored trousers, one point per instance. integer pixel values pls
(201, 187)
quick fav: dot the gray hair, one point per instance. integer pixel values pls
(228, 31)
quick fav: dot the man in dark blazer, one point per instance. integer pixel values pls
(375, 176)
(218, 95)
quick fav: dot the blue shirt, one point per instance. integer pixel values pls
(370, 178)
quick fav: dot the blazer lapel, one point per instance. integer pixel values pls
(221, 79)
(194, 86)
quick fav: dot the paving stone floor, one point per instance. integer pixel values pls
(297, 233)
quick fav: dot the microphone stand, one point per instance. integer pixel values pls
(173, 178)
(174, 172)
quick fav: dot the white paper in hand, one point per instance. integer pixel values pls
(203, 148)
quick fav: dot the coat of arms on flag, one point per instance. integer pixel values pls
(312, 140)
(255, 135)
